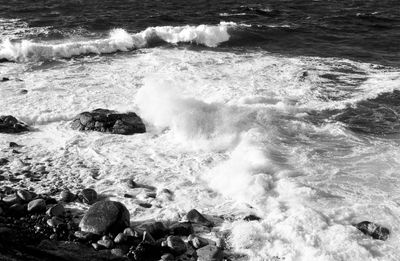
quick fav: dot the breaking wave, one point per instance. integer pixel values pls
(119, 40)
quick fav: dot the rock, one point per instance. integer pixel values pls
(14, 145)
(130, 232)
(167, 257)
(105, 242)
(374, 230)
(197, 242)
(67, 196)
(145, 252)
(156, 229)
(147, 237)
(37, 205)
(131, 184)
(23, 91)
(88, 196)
(4, 161)
(24, 195)
(105, 216)
(5, 79)
(209, 253)
(120, 238)
(181, 229)
(9, 124)
(145, 205)
(17, 210)
(84, 236)
(11, 199)
(119, 252)
(54, 222)
(57, 210)
(251, 218)
(109, 121)
(176, 245)
(194, 216)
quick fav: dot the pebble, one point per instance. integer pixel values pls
(37, 205)
(67, 196)
(176, 244)
(88, 196)
(24, 195)
(57, 210)
(120, 238)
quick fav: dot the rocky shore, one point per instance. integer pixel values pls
(45, 225)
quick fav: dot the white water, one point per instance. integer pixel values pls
(119, 40)
(228, 134)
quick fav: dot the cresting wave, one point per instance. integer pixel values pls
(119, 40)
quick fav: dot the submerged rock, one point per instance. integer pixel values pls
(374, 230)
(109, 121)
(9, 124)
(105, 216)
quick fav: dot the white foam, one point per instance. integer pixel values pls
(119, 40)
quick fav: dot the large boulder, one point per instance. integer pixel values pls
(9, 124)
(109, 121)
(105, 216)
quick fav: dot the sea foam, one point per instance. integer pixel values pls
(119, 40)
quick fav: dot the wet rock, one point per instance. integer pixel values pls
(197, 242)
(145, 205)
(88, 196)
(37, 205)
(14, 145)
(109, 121)
(17, 210)
(54, 222)
(11, 199)
(105, 216)
(176, 245)
(9, 124)
(181, 229)
(209, 253)
(195, 216)
(57, 210)
(120, 238)
(145, 252)
(4, 161)
(374, 230)
(67, 196)
(251, 218)
(5, 79)
(24, 195)
(167, 257)
(130, 232)
(131, 184)
(156, 229)
(105, 242)
(120, 252)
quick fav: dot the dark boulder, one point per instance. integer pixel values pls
(195, 216)
(109, 121)
(105, 216)
(251, 217)
(88, 196)
(374, 230)
(9, 124)
(145, 252)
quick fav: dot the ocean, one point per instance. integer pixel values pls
(288, 110)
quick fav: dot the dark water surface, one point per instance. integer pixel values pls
(363, 30)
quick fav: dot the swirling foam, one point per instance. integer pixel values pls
(119, 40)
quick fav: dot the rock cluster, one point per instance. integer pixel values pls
(41, 228)
(109, 121)
(9, 124)
(374, 230)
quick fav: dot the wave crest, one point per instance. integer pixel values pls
(119, 40)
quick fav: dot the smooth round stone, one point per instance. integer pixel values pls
(37, 205)
(11, 199)
(176, 244)
(67, 196)
(105, 216)
(54, 222)
(88, 195)
(57, 210)
(25, 195)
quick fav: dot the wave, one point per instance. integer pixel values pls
(119, 40)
